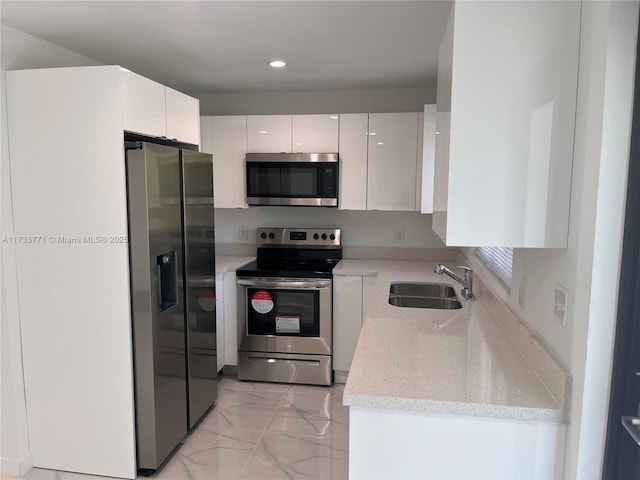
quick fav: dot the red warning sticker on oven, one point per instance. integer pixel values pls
(262, 302)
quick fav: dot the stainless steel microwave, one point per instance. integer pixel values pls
(298, 179)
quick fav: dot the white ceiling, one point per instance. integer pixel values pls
(204, 47)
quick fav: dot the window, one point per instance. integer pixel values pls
(499, 261)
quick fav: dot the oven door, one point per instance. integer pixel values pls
(287, 315)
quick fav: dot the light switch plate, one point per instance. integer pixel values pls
(398, 236)
(560, 303)
(243, 233)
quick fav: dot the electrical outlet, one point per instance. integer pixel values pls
(243, 233)
(522, 291)
(560, 303)
(398, 236)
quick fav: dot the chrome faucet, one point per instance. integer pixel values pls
(466, 282)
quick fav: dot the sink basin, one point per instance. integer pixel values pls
(423, 295)
(425, 302)
(408, 289)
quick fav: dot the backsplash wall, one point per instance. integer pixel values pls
(359, 229)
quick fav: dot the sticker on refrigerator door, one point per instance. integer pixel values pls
(287, 324)
(262, 302)
(207, 299)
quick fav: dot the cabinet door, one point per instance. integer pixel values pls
(428, 158)
(419, 165)
(510, 150)
(205, 135)
(347, 319)
(144, 105)
(391, 178)
(229, 147)
(353, 161)
(233, 318)
(443, 120)
(315, 133)
(269, 133)
(183, 117)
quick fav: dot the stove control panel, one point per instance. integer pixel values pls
(304, 237)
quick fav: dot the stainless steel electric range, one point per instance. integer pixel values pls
(287, 307)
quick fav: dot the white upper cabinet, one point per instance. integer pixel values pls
(228, 148)
(392, 165)
(507, 82)
(269, 133)
(150, 108)
(353, 161)
(428, 141)
(183, 117)
(315, 133)
(144, 105)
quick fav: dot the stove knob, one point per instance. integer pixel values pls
(332, 236)
(324, 236)
(263, 235)
(272, 236)
(316, 236)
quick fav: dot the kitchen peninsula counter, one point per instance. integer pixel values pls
(444, 394)
(459, 362)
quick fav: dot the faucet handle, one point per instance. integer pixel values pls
(465, 268)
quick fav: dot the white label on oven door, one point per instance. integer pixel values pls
(262, 302)
(287, 324)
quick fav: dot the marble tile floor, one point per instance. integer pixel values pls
(258, 431)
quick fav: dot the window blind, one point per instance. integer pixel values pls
(499, 261)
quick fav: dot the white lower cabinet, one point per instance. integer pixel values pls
(351, 295)
(397, 444)
(347, 319)
(233, 325)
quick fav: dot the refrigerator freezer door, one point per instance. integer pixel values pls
(200, 284)
(155, 226)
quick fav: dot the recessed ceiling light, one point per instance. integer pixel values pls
(277, 63)
(263, 131)
(437, 133)
(334, 117)
(380, 143)
(372, 133)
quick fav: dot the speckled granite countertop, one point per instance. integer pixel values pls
(439, 361)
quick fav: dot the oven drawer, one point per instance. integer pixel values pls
(285, 368)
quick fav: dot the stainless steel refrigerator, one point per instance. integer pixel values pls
(172, 264)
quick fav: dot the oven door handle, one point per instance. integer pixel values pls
(284, 283)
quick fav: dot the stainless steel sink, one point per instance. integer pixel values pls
(423, 295)
(425, 302)
(409, 289)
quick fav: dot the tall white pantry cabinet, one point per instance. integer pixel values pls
(68, 186)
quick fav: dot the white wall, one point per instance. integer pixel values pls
(362, 229)
(18, 51)
(589, 267)
(338, 101)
